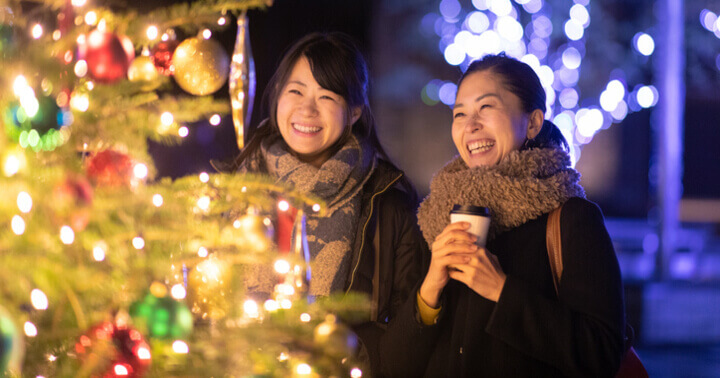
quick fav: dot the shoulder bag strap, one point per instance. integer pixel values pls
(554, 246)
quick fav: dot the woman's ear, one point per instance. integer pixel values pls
(355, 114)
(535, 123)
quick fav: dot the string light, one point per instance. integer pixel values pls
(283, 205)
(271, 305)
(303, 369)
(356, 373)
(180, 347)
(67, 235)
(316, 207)
(282, 266)
(140, 171)
(202, 252)
(18, 225)
(30, 329)
(215, 119)
(99, 251)
(250, 307)
(178, 291)
(138, 242)
(206, 33)
(167, 119)
(204, 177)
(38, 299)
(91, 18)
(152, 32)
(24, 202)
(203, 203)
(305, 317)
(37, 31)
(157, 200)
(183, 132)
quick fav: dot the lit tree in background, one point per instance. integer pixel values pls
(106, 270)
(589, 85)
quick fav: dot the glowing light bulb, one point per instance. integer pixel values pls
(282, 266)
(140, 171)
(316, 207)
(157, 200)
(283, 205)
(251, 309)
(24, 202)
(355, 373)
(99, 251)
(286, 304)
(207, 33)
(120, 370)
(183, 131)
(80, 102)
(303, 369)
(67, 235)
(271, 305)
(38, 299)
(204, 177)
(91, 18)
(138, 242)
(152, 32)
(37, 31)
(202, 252)
(143, 353)
(18, 225)
(222, 21)
(305, 317)
(30, 329)
(167, 119)
(180, 347)
(79, 3)
(11, 165)
(178, 291)
(203, 203)
(215, 119)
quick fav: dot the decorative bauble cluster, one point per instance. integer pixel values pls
(113, 350)
(108, 56)
(110, 168)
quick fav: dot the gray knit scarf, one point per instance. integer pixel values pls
(523, 186)
(330, 237)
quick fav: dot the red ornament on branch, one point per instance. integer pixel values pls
(107, 55)
(113, 350)
(110, 168)
(162, 56)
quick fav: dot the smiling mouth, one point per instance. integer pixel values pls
(306, 129)
(480, 146)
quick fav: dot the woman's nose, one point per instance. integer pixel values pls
(308, 106)
(473, 124)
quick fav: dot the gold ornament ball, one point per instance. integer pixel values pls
(142, 69)
(336, 338)
(201, 66)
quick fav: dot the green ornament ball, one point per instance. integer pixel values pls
(162, 317)
(11, 344)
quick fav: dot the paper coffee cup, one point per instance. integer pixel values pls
(477, 216)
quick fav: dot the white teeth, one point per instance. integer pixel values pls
(476, 147)
(306, 129)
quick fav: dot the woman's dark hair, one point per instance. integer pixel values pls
(337, 65)
(520, 79)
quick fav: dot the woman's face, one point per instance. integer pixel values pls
(488, 120)
(311, 118)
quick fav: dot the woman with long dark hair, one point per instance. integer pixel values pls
(320, 137)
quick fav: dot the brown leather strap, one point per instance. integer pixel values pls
(376, 273)
(554, 246)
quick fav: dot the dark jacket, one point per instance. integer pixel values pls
(529, 332)
(401, 254)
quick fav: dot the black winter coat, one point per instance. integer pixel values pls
(529, 332)
(401, 257)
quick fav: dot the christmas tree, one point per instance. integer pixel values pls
(107, 269)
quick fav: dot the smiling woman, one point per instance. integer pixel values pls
(320, 137)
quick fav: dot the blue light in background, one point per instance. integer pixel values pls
(568, 98)
(644, 44)
(477, 22)
(450, 9)
(708, 19)
(580, 14)
(447, 93)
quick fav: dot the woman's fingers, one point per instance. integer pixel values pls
(454, 233)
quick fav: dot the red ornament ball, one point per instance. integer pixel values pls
(110, 168)
(162, 56)
(107, 55)
(121, 350)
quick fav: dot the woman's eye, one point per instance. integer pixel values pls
(327, 98)
(294, 91)
(458, 115)
(485, 106)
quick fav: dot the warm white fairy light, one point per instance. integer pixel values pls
(81, 68)
(286, 304)
(102, 25)
(99, 251)
(140, 171)
(18, 225)
(271, 305)
(303, 369)
(11, 165)
(316, 207)
(21, 86)
(250, 307)
(165, 37)
(37, 31)
(178, 291)
(152, 32)
(204, 177)
(207, 33)
(167, 119)
(202, 252)
(282, 266)
(120, 370)
(305, 317)
(285, 289)
(91, 18)
(79, 3)
(203, 203)
(67, 235)
(38, 299)
(215, 119)
(157, 200)
(180, 347)
(30, 329)
(283, 357)
(222, 21)
(80, 102)
(51, 357)
(89, 85)
(283, 205)
(24, 202)
(183, 131)
(143, 353)
(355, 373)
(138, 242)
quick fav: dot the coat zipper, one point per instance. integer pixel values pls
(362, 242)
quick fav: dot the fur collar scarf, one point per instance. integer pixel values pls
(523, 186)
